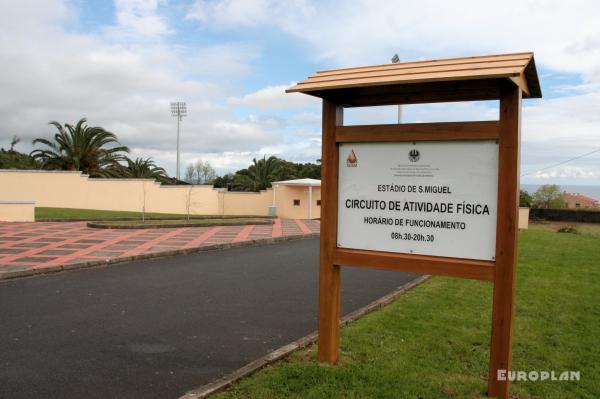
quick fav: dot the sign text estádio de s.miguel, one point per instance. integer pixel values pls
(431, 198)
(424, 198)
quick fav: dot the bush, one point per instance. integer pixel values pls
(568, 229)
(525, 199)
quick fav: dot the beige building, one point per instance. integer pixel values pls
(298, 199)
(67, 189)
(580, 201)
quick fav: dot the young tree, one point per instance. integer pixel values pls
(549, 196)
(198, 166)
(208, 173)
(190, 172)
(200, 172)
(188, 201)
(144, 192)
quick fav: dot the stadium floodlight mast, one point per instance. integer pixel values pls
(178, 110)
(396, 60)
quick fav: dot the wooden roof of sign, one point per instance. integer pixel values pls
(467, 73)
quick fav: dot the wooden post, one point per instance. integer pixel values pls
(506, 239)
(329, 275)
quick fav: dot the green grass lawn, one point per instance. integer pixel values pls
(433, 342)
(42, 213)
(587, 229)
(191, 222)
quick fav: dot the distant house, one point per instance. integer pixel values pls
(575, 201)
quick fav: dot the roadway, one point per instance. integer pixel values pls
(160, 327)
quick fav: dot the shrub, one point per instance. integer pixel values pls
(568, 229)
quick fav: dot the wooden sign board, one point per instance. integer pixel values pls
(430, 198)
(426, 198)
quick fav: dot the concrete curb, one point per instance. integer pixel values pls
(286, 350)
(152, 255)
(104, 225)
(125, 219)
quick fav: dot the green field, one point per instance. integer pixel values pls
(433, 342)
(42, 213)
(191, 222)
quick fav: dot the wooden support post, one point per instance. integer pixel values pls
(506, 239)
(329, 276)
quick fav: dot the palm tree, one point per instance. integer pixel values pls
(259, 175)
(92, 150)
(141, 168)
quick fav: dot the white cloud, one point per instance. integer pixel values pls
(557, 130)
(306, 150)
(564, 35)
(567, 172)
(43, 13)
(274, 97)
(564, 120)
(124, 76)
(240, 12)
(303, 118)
(421, 113)
(247, 13)
(122, 79)
(225, 63)
(139, 18)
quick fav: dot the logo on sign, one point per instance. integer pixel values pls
(414, 155)
(352, 161)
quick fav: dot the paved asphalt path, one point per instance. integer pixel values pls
(158, 328)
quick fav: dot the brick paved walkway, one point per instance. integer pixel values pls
(47, 246)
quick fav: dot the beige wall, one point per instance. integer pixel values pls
(242, 203)
(74, 190)
(284, 200)
(63, 189)
(17, 211)
(523, 218)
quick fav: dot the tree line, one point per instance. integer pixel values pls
(262, 172)
(548, 196)
(258, 176)
(88, 149)
(99, 154)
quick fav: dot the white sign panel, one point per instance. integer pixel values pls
(428, 198)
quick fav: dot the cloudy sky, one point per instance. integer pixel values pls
(120, 64)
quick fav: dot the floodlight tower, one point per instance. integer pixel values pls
(178, 110)
(396, 60)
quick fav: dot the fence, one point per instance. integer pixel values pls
(566, 215)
